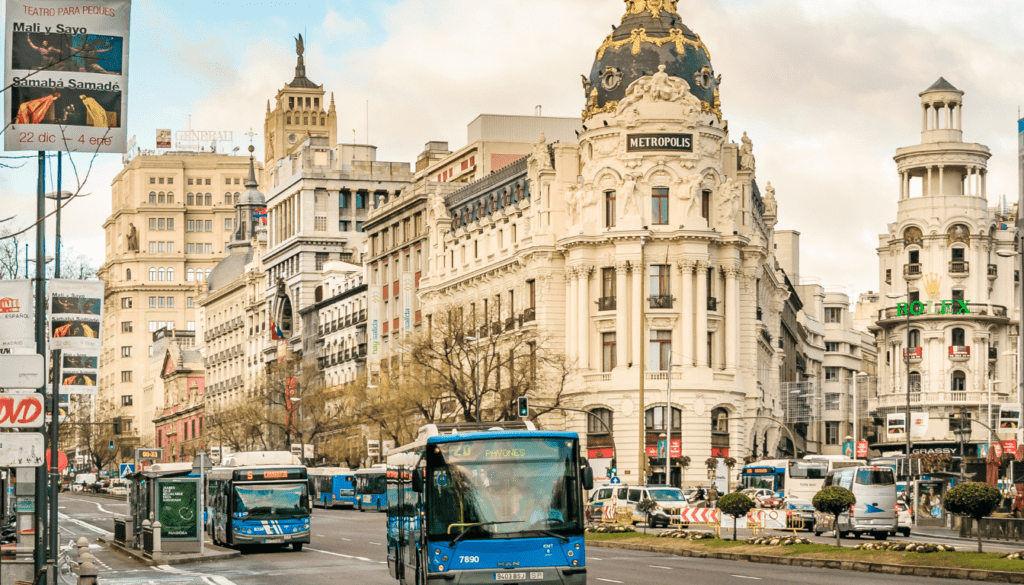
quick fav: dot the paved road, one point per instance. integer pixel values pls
(349, 547)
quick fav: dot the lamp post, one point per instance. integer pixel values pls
(298, 429)
(1020, 325)
(962, 436)
(476, 362)
(856, 412)
(906, 358)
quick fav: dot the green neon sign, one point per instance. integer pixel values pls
(926, 308)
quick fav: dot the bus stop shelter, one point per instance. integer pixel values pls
(168, 493)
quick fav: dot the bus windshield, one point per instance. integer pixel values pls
(766, 481)
(808, 469)
(372, 483)
(502, 488)
(271, 502)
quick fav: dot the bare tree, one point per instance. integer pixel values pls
(11, 256)
(89, 430)
(295, 403)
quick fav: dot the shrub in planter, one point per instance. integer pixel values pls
(735, 505)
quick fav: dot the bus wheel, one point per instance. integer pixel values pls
(360, 505)
(297, 546)
(378, 505)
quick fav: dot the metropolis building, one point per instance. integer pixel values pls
(646, 247)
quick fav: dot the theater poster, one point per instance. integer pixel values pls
(66, 67)
(76, 317)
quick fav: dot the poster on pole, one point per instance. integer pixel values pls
(17, 334)
(376, 300)
(1009, 416)
(407, 295)
(919, 425)
(76, 316)
(896, 427)
(66, 67)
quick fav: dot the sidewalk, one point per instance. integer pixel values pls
(210, 553)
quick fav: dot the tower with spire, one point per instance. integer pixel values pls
(299, 111)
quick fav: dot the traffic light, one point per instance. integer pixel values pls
(613, 469)
(524, 407)
(117, 429)
(111, 444)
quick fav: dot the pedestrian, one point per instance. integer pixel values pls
(712, 496)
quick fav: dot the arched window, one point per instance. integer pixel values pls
(719, 421)
(227, 199)
(959, 382)
(170, 197)
(170, 274)
(128, 274)
(235, 199)
(152, 196)
(190, 199)
(915, 338)
(915, 381)
(519, 192)
(287, 119)
(654, 418)
(209, 199)
(199, 275)
(160, 198)
(152, 274)
(190, 275)
(958, 337)
(161, 273)
(595, 418)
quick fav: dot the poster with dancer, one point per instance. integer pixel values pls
(76, 317)
(66, 68)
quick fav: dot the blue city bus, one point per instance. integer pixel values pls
(768, 474)
(332, 486)
(371, 488)
(485, 504)
(259, 498)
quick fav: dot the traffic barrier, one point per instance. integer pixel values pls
(705, 517)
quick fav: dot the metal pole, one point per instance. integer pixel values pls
(906, 356)
(40, 317)
(54, 447)
(854, 417)
(56, 267)
(202, 502)
(642, 462)
(668, 427)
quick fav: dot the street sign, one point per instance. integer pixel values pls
(615, 481)
(21, 411)
(21, 449)
(141, 454)
(22, 371)
(201, 462)
(126, 468)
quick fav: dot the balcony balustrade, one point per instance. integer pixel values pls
(959, 267)
(712, 304)
(606, 304)
(661, 301)
(912, 271)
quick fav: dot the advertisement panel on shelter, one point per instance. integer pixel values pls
(17, 334)
(896, 427)
(178, 503)
(1009, 416)
(76, 317)
(66, 70)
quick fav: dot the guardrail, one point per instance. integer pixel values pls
(994, 528)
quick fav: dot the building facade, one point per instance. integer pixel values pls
(646, 247)
(171, 219)
(947, 273)
(342, 316)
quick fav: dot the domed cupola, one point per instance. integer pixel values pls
(651, 34)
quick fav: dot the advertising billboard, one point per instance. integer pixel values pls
(17, 334)
(66, 67)
(76, 317)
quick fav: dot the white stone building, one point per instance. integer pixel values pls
(341, 344)
(944, 245)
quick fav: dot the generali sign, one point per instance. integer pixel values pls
(21, 411)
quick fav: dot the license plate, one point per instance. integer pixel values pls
(274, 541)
(510, 576)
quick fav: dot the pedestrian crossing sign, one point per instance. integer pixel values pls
(127, 468)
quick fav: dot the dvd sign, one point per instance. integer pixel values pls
(649, 142)
(21, 411)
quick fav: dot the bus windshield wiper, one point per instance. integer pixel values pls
(465, 528)
(547, 532)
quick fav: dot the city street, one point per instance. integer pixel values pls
(349, 546)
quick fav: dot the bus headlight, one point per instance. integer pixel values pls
(440, 567)
(575, 563)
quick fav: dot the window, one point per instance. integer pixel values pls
(831, 401)
(915, 296)
(609, 209)
(126, 302)
(227, 223)
(958, 295)
(161, 198)
(207, 182)
(711, 347)
(598, 416)
(127, 399)
(191, 248)
(608, 352)
(170, 223)
(126, 351)
(209, 225)
(959, 382)
(608, 283)
(321, 258)
(831, 374)
(126, 326)
(152, 274)
(161, 247)
(152, 302)
(189, 199)
(161, 273)
(832, 433)
(359, 226)
(958, 254)
(915, 256)
(152, 326)
(659, 205)
(209, 196)
(915, 381)
(126, 376)
(170, 302)
(531, 293)
(654, 418)
(361, 200)
(719, 420)
(190, 302)
(190, 325)
(833, 315)
(152, 180)
(959, 338)
(343, 226)
(170, 247)
(152, 196)
(208, 250)
(343, 197)
(915, 338)
(832, 346)
(661, 350)
(190, 226)
(152, 247)
(660, 279)
(705, 205)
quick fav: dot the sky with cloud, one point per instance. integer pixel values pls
(826, 90)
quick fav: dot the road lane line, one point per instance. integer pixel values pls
(364, 559)
(221, 580)
(745, 577)
(594, 559)
(347, 539)
(102, 509)
(659, 567)
(81, 523)
(607, 580)
(374, 543)
(327, 552)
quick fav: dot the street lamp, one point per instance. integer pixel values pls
(476, 361)
(906, 357)
(1020, 330)
(962, 436)
(302, 444)
(856, 411)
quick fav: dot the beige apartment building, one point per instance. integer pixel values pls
(172, 216)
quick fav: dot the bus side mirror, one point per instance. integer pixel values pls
(417, 481)
(588, 478)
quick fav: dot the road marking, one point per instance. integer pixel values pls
(327, 552)
(594, 559)
(81, 523)
(607, 580)
(375, 543)
(364, 559)
(102, 509)
(745, 577)
(320, 536)
(659, 567)
(347, 539)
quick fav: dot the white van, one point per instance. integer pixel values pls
(875, 510)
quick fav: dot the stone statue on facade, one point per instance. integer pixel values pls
(727, 202)
(572, 196)
(688, 190)
(540, 152)
(437, 209)
(133, 238)
(771, 206)
(631, 207)
(746, 153)
(660, 87)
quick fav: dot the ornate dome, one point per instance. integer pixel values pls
(651, 34)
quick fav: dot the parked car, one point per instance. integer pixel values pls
(598, 497)
(801, 510)
(667, 499)
(875, 511)
(904, 519)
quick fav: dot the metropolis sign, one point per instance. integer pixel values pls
(648, 142)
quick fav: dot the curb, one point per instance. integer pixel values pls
(859, 566)
(213, 553)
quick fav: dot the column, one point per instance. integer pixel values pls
(570, 313)
(583, 320)
(686, 276)
(924, 117)
(621, 315)
(638, 274)
(959, 116)
(732, 317)
(701, 326)
(929, 189)
(949, 117)
(942, 183)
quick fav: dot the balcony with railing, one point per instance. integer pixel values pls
(606, 304)
(959, 267)
(661, 301)
(911, 271)
(993, 354)
(914, 353)
(712, 304)
(510, 324)
(529, 314)
(959, 353)
(993, 271)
